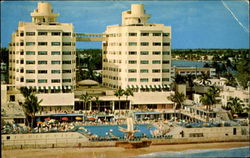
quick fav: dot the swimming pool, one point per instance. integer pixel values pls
(103, 130)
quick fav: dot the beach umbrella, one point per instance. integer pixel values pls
(78, 118)
(91, 118)
(47, 119)
(65, 118)
(52, 121)
(39, 122)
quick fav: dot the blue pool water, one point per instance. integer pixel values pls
(232, 152)
(102, 130)
(184, 63)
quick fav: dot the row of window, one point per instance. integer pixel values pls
(46, 43)
(146, 70)
(46, 71)
(45, 80)
(147, 53)
(147, 62)
(147, 80)
(138, 34)
(46, 33)
(41, 62)
(135, 44)
(43, 52)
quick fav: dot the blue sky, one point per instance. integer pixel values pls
(195, 24)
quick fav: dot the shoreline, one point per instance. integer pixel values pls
(113, 152)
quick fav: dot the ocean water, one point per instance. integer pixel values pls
(232, 152)
(184, 63)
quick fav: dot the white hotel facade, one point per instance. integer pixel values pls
(137, 54)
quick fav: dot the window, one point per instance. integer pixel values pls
(42, 53)
(132, 43)
(30, 33)
(165, 79)
(144, 79)
(42, 71)
(166, 44)
(55, 53)
(42, 81)
(144, 61)
(166, 53)
(144, 53)
(166, 34)
(42, 33)
(156, 44)
(55, 62)
(66, 71)
(156, 34)
(55, 43)
(66, 62)
(131, 79)
(156, 61)
(144, 34)
(66, 33)
(42, 43)
(132, 61)
(55, 33)
(30, 53)
(165, 62)
(66, 43)
(132, 34)
(156, 79)
(30, 61)
(30, 80)
(55, 81)
(66, 80)
(156, 70)
(55, 71)
(132, 52)
(144, 70)
(30, 43)
(144, 43)
(132, 70)
(42, 62)
(66, 52)
(165, 70)
(156, 53)
(30, 71)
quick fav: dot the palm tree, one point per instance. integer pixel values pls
(235, 105)
(209, 98)
(128, 92)
(31, 105)
(177, 98)
(204, 78)
(118, 93)
(97, 101)
(86, 98)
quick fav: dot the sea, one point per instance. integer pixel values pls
(231, 152)
(185, 63)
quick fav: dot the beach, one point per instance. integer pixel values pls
(112, 152)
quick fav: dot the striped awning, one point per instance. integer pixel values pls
(47, 87)
(128, 86)
(133, 87)
(159, 86)
(137, 86)
(155, 86)
(147, 87)
(151, 87)
(142, 86)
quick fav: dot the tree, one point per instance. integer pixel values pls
(30, 106)
(235, 105)
(243, 71)
(204, 78)
(86, 98)
(97, 101)
(179, 79)
(118, 93)
(177, 98)
(209, 98)
(128, 92)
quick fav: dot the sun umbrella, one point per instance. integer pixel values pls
(39, 122)
(52, 121)
(65, 118)
(91, 118)
(78, 118)
(47, 119)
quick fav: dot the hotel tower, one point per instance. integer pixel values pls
(42, 52)
(137, 54)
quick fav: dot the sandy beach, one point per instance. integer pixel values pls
(111, 152)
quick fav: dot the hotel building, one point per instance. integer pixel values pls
(137, 54)
(42, 56)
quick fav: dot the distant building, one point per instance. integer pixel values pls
(193, 70)
(137, 54)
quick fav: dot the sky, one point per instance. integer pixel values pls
(195, 24)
